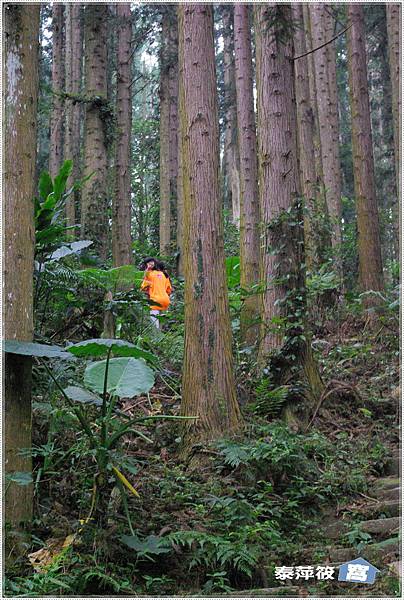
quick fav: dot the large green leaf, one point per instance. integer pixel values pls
(100, 347)
(51, 231)
(33, 349)
(60, 180)
(80, 182)
(48, 206)
(150, 545)
(61, 253)
(95, 277)
(127, 377)
(112, 279)
(20, 477)
(45, 185)
(80, 245)
(78, 394)
(233, 271)
(126, 274)
(68, 249)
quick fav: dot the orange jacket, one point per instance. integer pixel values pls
(158, 287)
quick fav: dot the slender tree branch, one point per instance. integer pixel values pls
(322, 45)
(135, 80)
(142, 88)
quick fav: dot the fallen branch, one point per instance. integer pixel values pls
(339, 385)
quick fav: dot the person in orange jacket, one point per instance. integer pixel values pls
(156, 284)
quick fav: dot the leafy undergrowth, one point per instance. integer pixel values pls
(256, 502)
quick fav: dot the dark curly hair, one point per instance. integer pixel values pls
(158, 265)
(143, 264)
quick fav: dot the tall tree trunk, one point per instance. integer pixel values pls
(333, 117)
(21, 28)
(208, 388)
(94, 222)
(381, 114)
(393, 16)
(112, 131)
(370, 260)
(313, 98)
(122, 202)
(180, 196)
(68, 137)
(305, 129)
(56, 126)
(77, 112)
(74, 48)
(278, 169)
(173, 135)
(165, 212)
(231, 156)
(324, 67)
(282, 259)
(249, 207)
(391, 127)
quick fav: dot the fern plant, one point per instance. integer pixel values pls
(270, 401)
(234, 453)
(217, 551)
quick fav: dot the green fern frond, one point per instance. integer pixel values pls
(234, 453)
(270, 402)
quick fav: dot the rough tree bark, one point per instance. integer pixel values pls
(231, 158)
(278, 169)
(74, 47)
(21, 29)
(180, 196)
(56, 124)
(305, 129)
(333, 117)
(208, 388)
(279, 190)
(393, 16)
(249, 207)
(313, 100)
(77, 115)
(122, 202)
(94, 223)
(165, 207)
(324, 60)
(370, 260)
(173, 134)
(68, 153)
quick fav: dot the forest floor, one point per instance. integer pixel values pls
(275, 497)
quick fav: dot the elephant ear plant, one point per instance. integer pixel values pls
(124, 371)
